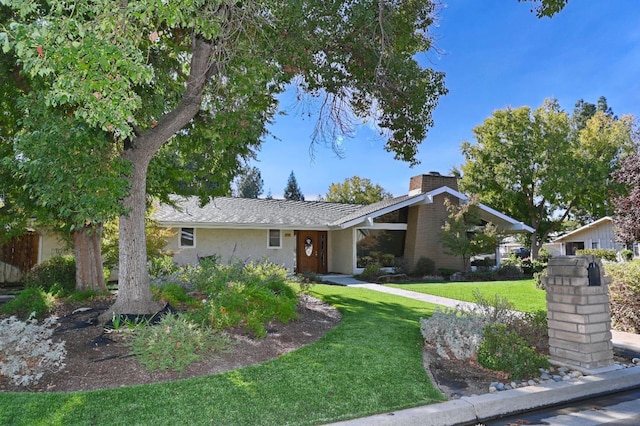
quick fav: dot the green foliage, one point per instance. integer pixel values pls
(292, 190)
(249, 295)
(174, 294)
(505, 350)
(162, 265)
(174, 343)
(424, 267)
(533, 163)
(527, 266)
(356, 190)
(249, 183)
(509, 271)
(30, 300)
(56, 275)
(372, 272)
(537, 278)
(464, 234)
(604, 254)
(627, 255)
(624, 295)
(544, 255)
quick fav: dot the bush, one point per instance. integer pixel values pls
(161, 266)
(27, 351)
(505, 350)
(249, 295)
(509, 271)
(56, 275)
(174, 343)
(624, 295)
(626, 255)
(372, 272)
(537, 277)
(604, 254)
(31, 300)
(544, 256)
(174, 294)
(424, 267)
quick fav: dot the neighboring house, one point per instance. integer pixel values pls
(596, 235)
(321, 237)
(22, 253)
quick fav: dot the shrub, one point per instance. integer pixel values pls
(533, 329)
(604, 254)
(249, 295)
(160, 266)
(174, 343)
(505, 350)
(56, 275)
(400, 265)
(372, 272)
(626, 255)
(544, 255)
(624, 295)
(509, 271)
(27, 351)
(174, 294)
(537, 277)
(31, 300)
(454, 332)
(424, 267)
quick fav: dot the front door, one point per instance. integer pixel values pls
(312, 251)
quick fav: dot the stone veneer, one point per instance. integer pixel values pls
(579, 315)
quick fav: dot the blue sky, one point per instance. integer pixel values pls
(495, 54)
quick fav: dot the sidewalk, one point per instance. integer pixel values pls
(469, 410)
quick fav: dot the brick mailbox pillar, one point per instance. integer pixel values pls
(578, 313)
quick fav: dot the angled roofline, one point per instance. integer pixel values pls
(584, 228)
(515, 224)
(422, 198)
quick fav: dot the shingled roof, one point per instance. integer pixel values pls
(262, 213)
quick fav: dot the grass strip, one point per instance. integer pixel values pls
(522, 293)
(370, 363)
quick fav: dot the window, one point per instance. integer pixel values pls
(274, 239)
(595, 244)
(187, 237)
(379, 246)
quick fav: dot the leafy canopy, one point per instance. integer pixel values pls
(538, 168)
(356, 190)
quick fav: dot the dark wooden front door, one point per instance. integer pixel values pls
(21, 252)
(311, 252)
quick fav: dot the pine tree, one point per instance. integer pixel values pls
(250, 183)
(292, 191)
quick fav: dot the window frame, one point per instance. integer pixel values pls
(193, 237)
(269, 246)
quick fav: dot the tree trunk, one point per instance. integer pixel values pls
(86, 249)
(134, 291)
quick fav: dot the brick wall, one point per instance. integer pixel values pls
(424, 224)
(578, 314)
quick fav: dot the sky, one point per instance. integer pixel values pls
(495, 54)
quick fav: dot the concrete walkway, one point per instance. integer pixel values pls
(469, 410)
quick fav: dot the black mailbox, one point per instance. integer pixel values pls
(593, 272)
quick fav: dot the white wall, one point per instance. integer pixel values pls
(341, 251)
(230, 244)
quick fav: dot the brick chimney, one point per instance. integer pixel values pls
(430, 181)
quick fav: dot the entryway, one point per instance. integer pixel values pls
(311, 252)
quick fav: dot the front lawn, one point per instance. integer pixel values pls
(522, 293)
(370, 363)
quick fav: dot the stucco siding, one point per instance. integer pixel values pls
(229, 244)
(341, 251)
(51, 245)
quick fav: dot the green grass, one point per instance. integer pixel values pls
(370, 363)
(522, 293)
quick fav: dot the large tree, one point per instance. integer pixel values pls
(250, 183)
(204, 76)
(292, 190)
(534, 166)
(356, 190)
(627, 206)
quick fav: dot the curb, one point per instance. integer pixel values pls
(470, 410)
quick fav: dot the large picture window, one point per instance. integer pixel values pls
(187, 237)
(379, 246)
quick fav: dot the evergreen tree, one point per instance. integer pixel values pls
(250, 183)
(292, 191)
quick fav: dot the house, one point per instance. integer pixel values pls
(599, 234)
(21, 253)
(321, 237)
